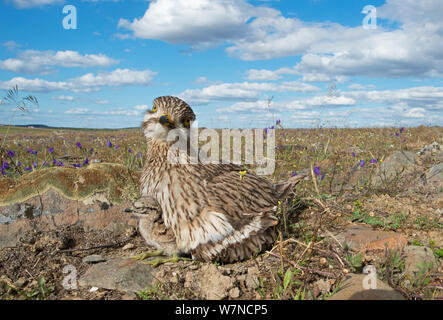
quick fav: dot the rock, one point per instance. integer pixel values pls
(213, 285)
(93, 197)
(323, 286)
(94, 258)
(234, 293)
(129, 296)
(434, 177)
(121, 274)
(20, 282)
(433, 147)
(416, 257)
(189, 279)
(365, 239)
(352, 289)
(437, 237)
(394, 165)
(252, 281)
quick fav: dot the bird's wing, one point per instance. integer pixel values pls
(245, 203)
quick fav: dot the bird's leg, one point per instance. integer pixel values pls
(148, 254)
(158, 261)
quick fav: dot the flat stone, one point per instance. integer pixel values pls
(121, 274)
(94, 258)
(53, 198)
(365, 239)
(213, 284)
(352, 289)
(416, 257)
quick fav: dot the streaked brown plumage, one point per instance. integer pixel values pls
(214, 213)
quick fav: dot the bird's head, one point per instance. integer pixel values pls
(167, 113)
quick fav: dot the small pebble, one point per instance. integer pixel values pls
(234, 293)
(128, 246)
(95, 258)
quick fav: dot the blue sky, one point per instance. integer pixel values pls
(227, 59)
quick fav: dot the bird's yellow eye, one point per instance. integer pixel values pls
(154, 108)
(186, 122)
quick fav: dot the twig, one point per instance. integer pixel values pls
(112, 245)
(322, 273)
(29, 273)
(333, 237)
(304, 251)
(38, 260)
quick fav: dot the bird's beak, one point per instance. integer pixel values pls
(166, 120)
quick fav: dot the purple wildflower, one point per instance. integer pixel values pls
(322, 177)
(34, 164)
(28, 168)
(5, 165)
(317, 170)
(79, 145)
(129, 150)
(10, 153)
(294, 174)
(19, 164)
(109, 144)
(362, 163)
(51, 150)
(116, 147)
(86, 161)
(397, 134)
(373, 160)
(32, 152)
(353, 154)
(402, 129)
